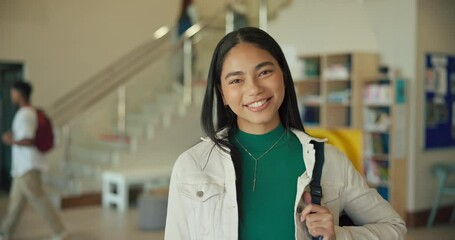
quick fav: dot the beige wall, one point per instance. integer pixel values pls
(436, 33)
(63, 43)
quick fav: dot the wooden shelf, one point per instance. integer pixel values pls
(372, 104)
(313, 56)
(308, 81)
(380, 157)
(312, 104)
(337, 80)
(334, 104)
(357, 67)
(371, 130)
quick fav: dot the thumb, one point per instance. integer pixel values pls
(307, 198)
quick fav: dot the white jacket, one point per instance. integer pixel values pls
(203, 205)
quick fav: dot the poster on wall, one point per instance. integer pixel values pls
(440, 101)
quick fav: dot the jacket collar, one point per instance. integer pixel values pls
(309, 153)
(302, 136)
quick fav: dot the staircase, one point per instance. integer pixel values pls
(156, 135)
(131, 114)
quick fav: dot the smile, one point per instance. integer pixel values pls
(258, 105)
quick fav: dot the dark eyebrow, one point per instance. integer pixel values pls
(236, 73)
(263, 64)
(259, 66)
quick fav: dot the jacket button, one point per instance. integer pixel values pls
(299, 209)
(200, 194)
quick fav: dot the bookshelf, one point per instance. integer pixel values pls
(343, 91)
(330, 89)
(384, 166)
(376, 124)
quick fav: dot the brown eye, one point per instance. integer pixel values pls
(235, 81)
(265, 73)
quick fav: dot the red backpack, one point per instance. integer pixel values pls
(44, 135)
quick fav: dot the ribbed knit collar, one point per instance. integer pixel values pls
(261, 142)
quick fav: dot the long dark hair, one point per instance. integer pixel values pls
(225, 117)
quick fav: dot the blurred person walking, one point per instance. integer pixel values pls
(28, 162)
(188, 17)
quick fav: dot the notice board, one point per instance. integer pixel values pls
(440, 101)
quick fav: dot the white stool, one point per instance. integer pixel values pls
(116, 183)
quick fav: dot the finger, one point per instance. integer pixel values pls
(316, 232)
(307, 198)
(313, 208)
(306, 211)
(326, 225)
(307, 201)
(319, 217)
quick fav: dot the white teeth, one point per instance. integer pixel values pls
(257, 104)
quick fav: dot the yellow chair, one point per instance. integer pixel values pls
(348, 141)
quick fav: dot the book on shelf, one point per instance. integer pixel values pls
(376, 119)
(310, 115)
(311, 99)
(383, 191)
(310, 68)
(377, 172)
(377, 94)
(376, 144)
(342, 96)
(337, 72)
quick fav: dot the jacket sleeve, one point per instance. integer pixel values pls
(375, 218)
(176, 221)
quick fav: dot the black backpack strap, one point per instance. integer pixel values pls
(316, 190)
(315, 185)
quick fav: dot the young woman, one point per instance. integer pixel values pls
(249, 178)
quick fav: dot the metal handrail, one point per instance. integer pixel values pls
(118, 73)
(101, 80)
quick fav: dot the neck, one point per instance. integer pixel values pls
(24, 104)
(258, 129)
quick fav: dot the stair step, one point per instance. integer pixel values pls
(90, 156)
(143, 117)
(84, 170)
(96, 155)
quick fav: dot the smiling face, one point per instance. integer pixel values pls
(252, 84)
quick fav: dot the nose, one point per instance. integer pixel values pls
(254, 87)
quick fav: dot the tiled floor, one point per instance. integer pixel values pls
(94, 223)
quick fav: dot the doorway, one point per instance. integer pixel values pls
(9, 74)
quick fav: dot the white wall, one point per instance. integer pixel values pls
(63, 43)
(387, 27)
(323, 26)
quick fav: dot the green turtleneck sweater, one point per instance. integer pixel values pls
(268, 212)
